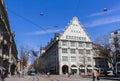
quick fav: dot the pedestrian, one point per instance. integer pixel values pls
(66, 74)
(19, 73)
(2, 75)
(69, 74)
(6, 73)
(95, 74)
(48, 74)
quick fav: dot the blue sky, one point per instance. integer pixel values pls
(34, 30)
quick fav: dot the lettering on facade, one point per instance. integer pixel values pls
(75, 38)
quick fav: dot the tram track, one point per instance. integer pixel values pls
(37, 78)
(33, 78)
(54, 80)
(28, 79)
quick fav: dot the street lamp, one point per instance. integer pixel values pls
(105, 9)
(41, 14)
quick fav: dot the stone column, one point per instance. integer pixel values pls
(60, 70)
(78, 70)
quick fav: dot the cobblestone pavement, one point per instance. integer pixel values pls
(52, 78)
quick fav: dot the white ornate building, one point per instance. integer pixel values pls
(69, 51)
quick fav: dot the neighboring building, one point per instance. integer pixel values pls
(115, 50)
(101, 57)
(8, 50)
(69, 51)
(42, 50)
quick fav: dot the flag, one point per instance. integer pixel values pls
(35, 53)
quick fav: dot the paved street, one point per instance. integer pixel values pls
(52, 78)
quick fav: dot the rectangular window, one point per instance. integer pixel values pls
(81, 59)
(87, 51)
(72, 51)
(64, 50)
(80, 44)
(116, 39)
(116, 32)
(64, 43)
(73, 58)
(65, 58)
(88, 59)
(80, 51)
(72, 44)
(67, 37)
(87, 45)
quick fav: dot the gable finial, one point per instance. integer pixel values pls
(75, 18)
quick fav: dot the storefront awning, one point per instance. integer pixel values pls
(89, 68)
(82, 67)
(74, 68)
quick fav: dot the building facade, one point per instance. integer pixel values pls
(70, 51)
(101, 57)
(8, 50)
(115, 50)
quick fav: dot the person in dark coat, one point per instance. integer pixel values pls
(2, 76)
(0, 72)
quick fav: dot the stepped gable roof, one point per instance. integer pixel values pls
(74, 19)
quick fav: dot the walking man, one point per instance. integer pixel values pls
(95, 74)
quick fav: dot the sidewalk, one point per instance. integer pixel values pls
(104, 78)
(111, 77)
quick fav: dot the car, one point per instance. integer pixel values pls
(31, 73)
